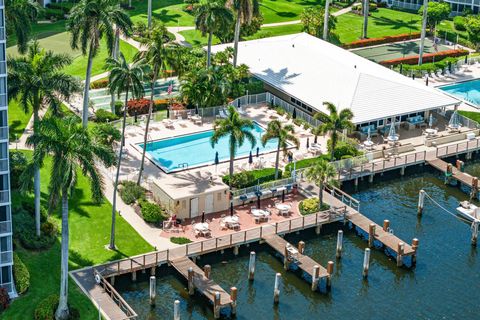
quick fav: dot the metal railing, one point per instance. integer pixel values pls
(117, 298)
(344, 197)
(274, 100)
(264, 186)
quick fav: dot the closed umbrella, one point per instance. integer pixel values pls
(258, 151)
(216, 160)
(426, 82)
(203, 216)
(196, 109)
(308, 143)
(315, 139)
(454, 121)
(231, 208)
(430, 120)
(168, 112)
(294, 114)
(250, 158)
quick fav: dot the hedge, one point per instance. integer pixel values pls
(247, 179)
(131, 192)
(138, 106)
(305, 163)
(20, 274)
(45, 310)
(375, 41)
(426, 57)
(99, 84)
(102, 116)
(152, 212)
(180, 240)
(310, 206)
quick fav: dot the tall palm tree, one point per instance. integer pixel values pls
(91, 21)
(333, 123)
(322, 174)
(237, 129)
(19, 16)
(123, 78)
(210, 17)
(159, 55)
(73, 150)
(283, 134)
(244, 10)
(37, 80)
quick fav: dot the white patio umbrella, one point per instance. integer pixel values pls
(430, 120)
(369, 138)
(391, 133)
(454, 121)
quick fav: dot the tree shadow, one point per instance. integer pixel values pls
(165, 17)
(78, 259)
(394, 24)
(280, 77)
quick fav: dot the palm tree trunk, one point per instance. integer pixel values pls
(149, 14)
(62, 309)
(116, 46)
(209, 49)
(325, 20)
(115, 187)
(236, 39)
(366, 7)
(145, 138)
(87, 86)
(334, 145)
(277, 160)
(320, 196)
(36, 176)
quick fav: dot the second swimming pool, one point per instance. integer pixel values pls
(187, 151)
(467, 90)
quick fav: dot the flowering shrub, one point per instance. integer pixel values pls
(140, 106)
(429, 57)
(99, 84)
(375, 41)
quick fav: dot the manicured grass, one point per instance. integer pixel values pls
(40, 31)
(170, 12)
(384, 22)
(195, 38)
(475, 116)
(285, 10)
(17, 119)
(266, 32)
(89, 233)
(448, 27)
(58, 43)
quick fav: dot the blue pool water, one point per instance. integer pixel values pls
(468, 91)
(195, 149)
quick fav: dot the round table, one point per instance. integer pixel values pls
(430, 131)
(201, 226)
(283, 207)
(231, 219)
(368, 143)
(259, 213)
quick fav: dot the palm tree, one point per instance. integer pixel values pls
(283, 134)
(237, 129)
(123, 78)
(322, 174)
(159, 56)
(37, 80)
(90, 21)
(210, 17)
(19, 16)
(72, 150)
(335, 122)
(244, 9)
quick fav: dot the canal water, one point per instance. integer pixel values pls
(444, 285)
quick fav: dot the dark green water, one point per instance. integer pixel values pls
(444, 285)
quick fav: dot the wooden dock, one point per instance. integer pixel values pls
(303, 262)
(204, 285)
(458, 175)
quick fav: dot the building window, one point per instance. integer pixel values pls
(6, 275)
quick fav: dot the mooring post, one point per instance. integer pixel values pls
(339, 243)
(152, 271)
(301, 247)
(421, 202)
(112, 280)
(370, 178)
(318, 228)
(315, 277)
(460, 165)
(235, 250)
(448, 173)
(329, 275)
(233, 297)
(216, 305)
(153, 290)
(251, 266)
(207, 269)
(474, 228)
(190, 281)
(474, 192)
(176, 310)
(366, 262)
(415, 248)
(371, 234)
(286, 260)
(386, 225)
(400, 248)
(276, 290)
(402, 171)
(134, 276)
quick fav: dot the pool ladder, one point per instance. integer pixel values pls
(183, 165)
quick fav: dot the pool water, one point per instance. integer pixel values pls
(468, 91)
(193, 150)
(444, 285)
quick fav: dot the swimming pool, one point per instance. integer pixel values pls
(468, 91)
(193, 150)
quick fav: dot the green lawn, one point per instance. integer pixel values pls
(286, 10)
(89, 233)
(17, 119)
(170, 12)
(40, 31)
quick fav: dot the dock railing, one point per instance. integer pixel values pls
(344, 197)
(264, 186)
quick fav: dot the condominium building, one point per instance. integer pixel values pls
(6, 251)
(458, 6)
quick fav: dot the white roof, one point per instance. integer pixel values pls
(315, 71)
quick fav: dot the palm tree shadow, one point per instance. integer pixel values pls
(280, 77)
(165, 17)
(395, 24)
(201, 181)
(78, 259)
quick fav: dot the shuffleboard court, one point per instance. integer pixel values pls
(397, 50)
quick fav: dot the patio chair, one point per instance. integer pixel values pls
(223, 225)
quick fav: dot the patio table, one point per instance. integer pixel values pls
(431, 132)
(368, 144)
(231, 219)
(202, 227)
(260, 213)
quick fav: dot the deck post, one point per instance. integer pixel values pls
(153, 290)
(474, 228)
(286, 262)
(191, 288)
(276, 290)
(402, 171)
(371, 234)
(355, 182)
(329, 275)
(235, 250)
(474, 192)
(318, 228)
(112, 280)
(233, 297)
(207, 269)
(400, 248)
(315, 277)
(216, 305)
(370, 178)
(152, 271)
(421, 202)
(386, 225)
(134, 276)
(339, 243)
(415, 248)
(460, 165)
(301, 247)
(176, 310)
(251, 266)
(366, 262)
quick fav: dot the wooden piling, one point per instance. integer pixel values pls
(235, 250)
(176, 310)
(474, 192)
(366, 262)
(371, 234)
(216, 305)
(251, 266)
(415, 243)
(301, 247)
(134, 276)
(421, 202)
(191, 287)
(318, 229)
(370, 178)
(400, 249)
(286, 260)
(386, 225)
(329, 276)
(402, 171)
(315, 277)
(153, 290)
(276, 290)
(233, 297)
(112, 280)
(339, 244)
(152, 271)
(474, 228)
(207, 269)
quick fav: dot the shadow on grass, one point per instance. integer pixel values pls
(394, 24)
(76, 258)
(165, 17)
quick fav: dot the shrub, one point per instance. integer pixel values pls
(24, 224)
(46, 308)
(18, 163)
(304, 163)
(280, 111)
(309, 206)
(102, 116)
(54, 14)
(247, 179)
(4, 299)
(99, 84)
(459, 23)
(106, 134)
(20, 274)
(180, 240)
(344, 148)
(426, 57)
(152, 212)
(382, 40)
(131, 192)
(140, 106)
